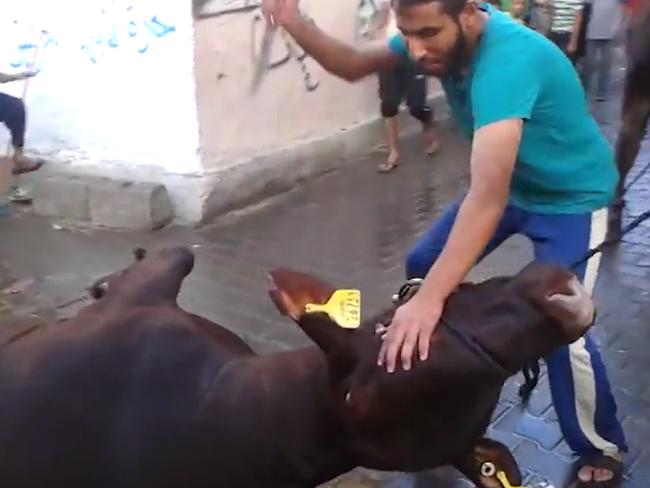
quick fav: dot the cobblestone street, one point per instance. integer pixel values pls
(353, 228)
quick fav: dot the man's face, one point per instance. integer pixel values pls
(434, 38)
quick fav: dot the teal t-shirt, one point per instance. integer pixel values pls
(565, 164)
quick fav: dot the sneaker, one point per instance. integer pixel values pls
(18, 195)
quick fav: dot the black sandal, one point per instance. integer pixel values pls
(599, 461)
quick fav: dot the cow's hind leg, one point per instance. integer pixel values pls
(490, 464)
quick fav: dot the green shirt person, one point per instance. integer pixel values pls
(540, 166)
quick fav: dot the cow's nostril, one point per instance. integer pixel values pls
(577, 307)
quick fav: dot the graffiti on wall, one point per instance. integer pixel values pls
(291, 51)
(118, 26)
(367, 11)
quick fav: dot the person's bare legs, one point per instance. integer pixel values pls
(416, 99)
(431, 138)
(392, 89)
(6, 164)
(391, 127)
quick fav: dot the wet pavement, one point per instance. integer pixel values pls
(353, 228)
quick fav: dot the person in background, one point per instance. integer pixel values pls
(13, 116)
(518, 11)
(601, 31)
(402, 81)
(541, 16)
(566, 25)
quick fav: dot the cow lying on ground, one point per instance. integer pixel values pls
(136, 392)
(636, 96)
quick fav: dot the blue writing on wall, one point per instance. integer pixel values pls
(129, 31)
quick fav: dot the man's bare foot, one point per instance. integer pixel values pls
(431, 141)
(390, 164)
(23, 164)
(603, 471)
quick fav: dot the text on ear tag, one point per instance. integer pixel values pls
(343, 307)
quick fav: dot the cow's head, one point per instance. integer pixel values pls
(527, 316)
(515, 320)
(154, 276)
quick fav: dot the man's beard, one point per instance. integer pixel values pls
(458, 55)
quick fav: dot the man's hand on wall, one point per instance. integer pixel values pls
(280, 12)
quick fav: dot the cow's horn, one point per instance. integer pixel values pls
(578, 305)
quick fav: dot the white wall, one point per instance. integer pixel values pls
(116, 83)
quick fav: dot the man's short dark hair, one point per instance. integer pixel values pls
(452, 7)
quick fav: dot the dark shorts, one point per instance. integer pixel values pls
(12, 114)
(405, 82)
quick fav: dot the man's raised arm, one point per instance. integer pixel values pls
(335, 56)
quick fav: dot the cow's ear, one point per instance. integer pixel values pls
(291, 292)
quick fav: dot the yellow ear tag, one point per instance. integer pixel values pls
(343, 307)
(503, 478)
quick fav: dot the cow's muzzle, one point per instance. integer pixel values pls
(574, 310)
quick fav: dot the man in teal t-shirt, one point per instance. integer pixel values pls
(540, 166)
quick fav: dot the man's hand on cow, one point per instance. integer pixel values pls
(410, 332)
(280, 12)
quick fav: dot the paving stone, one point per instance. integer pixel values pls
(544, 433)
(546, 465)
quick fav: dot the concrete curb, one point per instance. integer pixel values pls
(258, 178)
(104, 202)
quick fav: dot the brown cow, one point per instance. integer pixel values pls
(636, 96)
(136, 392)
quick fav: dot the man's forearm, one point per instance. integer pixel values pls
(335, 56)
(475, 225)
